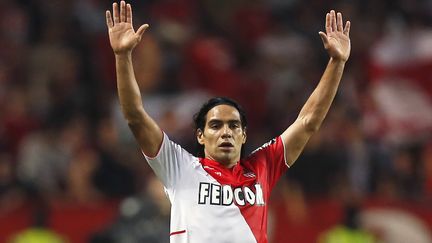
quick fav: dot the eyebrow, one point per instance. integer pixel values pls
(220, 121)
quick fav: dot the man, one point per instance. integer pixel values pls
(220, 197)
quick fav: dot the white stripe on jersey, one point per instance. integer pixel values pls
(192, 222)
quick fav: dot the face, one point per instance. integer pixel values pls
(223, 135)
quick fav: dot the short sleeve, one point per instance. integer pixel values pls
(169, 162)
(270, 158)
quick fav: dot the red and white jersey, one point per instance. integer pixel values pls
(211, 203)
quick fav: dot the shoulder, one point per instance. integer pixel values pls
(272, 150)
(266, 146)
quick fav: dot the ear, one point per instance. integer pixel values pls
(244, 136)
(200, 136)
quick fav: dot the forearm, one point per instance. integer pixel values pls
(123, 40)
(337, 43)
(127, 87)
(144, 128)
(316, 107)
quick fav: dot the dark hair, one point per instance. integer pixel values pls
(200, 119)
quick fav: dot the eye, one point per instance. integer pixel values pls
(235, 125)
(214, 125)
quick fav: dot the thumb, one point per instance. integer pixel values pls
(141, 30)
(323, 38)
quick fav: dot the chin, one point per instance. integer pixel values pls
(226, 158)
(223, 159)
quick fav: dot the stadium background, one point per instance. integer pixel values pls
(69, 163)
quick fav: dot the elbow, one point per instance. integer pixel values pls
(133, 116)
(311, 125)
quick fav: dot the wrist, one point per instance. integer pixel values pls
(338, 61)
(123, 55)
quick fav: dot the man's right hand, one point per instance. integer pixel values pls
(123, 37)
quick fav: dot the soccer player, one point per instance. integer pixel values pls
(218, 196)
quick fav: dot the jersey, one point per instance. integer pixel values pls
(212, 203)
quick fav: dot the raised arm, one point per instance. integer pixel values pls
(123, 39)
(337, 43)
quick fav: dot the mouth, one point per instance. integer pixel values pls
(226, 145)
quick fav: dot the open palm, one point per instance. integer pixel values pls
(123, 37)
(336, 39)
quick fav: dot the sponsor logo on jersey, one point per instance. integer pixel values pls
(265, 145)
(225, 195)
(249, 174)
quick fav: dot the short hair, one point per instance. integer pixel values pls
(200, 119)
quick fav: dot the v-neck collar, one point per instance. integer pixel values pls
(226, 176)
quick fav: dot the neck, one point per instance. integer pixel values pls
(225, 163)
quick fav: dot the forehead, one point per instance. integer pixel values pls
(223, 112)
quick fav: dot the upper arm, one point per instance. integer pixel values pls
(147, 133)
(295, 138)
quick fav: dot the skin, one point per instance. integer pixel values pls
(338, 45)
(223, 135)
(123, 39)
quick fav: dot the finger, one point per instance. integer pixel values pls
(122, 11)
(142, 29)
(129, 13)
(116, 13)
(339, 22)
(109, 19)
(347, 28)
(333, 20)
(328, 23)
(324, 38)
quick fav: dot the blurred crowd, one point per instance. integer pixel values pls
(62, 135)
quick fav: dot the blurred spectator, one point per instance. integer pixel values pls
(142, 219)
(359, 167)
(62, 136)
(79, 184)
(328, 161)
(407, 173)
(38, 232)
(289, 214)
(17, 121)
(12, 196)
(45, 155)
(426, 158)
(350, 231)
(112, 173)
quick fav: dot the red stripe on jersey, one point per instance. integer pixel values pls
(177, 232)
(263, 167)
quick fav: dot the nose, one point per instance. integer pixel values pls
(226, 132)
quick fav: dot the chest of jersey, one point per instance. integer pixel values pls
(211, 203)
(221, 209)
